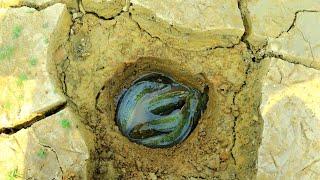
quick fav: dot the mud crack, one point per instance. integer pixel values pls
(294, 21)
(35, 117)
(65, 64)
(257, 54)
(97, 99)
(242, 5)
(33, 6)
(234, 131)
(224, 47)
(124, 9)
(280, 56)
(145, 31)
(56, 155)
(48, 147)
(52, 150)
(261, 53)
(62, 77)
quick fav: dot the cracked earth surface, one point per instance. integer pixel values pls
(64, 62)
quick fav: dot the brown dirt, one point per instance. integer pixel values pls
(105, 56)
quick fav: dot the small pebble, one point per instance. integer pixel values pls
(152, 176)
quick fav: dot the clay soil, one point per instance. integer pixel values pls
(103, 57)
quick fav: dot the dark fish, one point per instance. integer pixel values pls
(157, 111)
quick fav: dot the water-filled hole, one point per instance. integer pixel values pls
(157, 111)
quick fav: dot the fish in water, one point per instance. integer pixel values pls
(157, 112)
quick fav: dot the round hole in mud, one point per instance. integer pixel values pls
(156, 111)
(127, 155)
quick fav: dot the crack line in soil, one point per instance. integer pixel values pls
(33, 6)
(36, 7)
(48, 147)
(38, 116)
(64, 65)
(97, 99)
(103, 18)
(64, 76)
(242, 6)
(293, 24)
(127, 6)
(289, 60)
(61, 73)
(234, 131)
(245, 18)
(309, 44)
(54, 151)
(223, 47)
(20, 147)
(143, 30)
(176, 48)
(257, 55)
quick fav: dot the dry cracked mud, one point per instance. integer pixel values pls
(63, 65)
